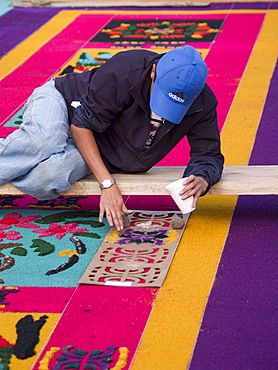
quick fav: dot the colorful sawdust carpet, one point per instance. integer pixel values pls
(216, 308)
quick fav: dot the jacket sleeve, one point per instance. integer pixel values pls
(106, 95)
(206, 158)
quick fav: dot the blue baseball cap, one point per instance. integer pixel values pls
(180, 77)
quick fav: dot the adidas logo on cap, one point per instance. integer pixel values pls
(178, 96)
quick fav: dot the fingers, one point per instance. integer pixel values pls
(114, 218)
(112, 205)
(101, 214)
(193, 186)
(125, 210)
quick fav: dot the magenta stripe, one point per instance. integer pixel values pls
(5, 131)
(98, 316)
(37, 299)
(169, 16)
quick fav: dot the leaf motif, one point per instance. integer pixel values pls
(63, 216)
(19, 251)
(88, 235)
(44, 248)
(92, 223)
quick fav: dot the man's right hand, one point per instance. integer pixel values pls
(112, 205)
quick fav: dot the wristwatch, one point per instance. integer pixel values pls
(107, 183)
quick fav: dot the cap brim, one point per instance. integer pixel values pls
(166, 107)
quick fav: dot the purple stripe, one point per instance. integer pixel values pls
(19, 23)
(254, 6)
(274, 5)
(240, 325)
(266, 144)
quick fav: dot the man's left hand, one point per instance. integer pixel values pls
(193, 185)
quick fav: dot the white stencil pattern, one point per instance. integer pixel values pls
(140, 255)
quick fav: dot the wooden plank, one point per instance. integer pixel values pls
(236, 180)
(100, 3)
(247, 180)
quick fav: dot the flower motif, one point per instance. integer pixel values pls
(132, 236)
(59, 230)
(16, 219)
(10, 235)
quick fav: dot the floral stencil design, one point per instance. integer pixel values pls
(16, 219)
(10, 235)
(59, 230)
(132, 236)
(73, 358)
(161, 30)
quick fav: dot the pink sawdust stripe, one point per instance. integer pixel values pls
(98, 317)
(226, 62)
(45, 62)
(26, 299)
(5, 131)
(168, 16)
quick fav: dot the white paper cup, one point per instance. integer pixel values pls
(185, 205)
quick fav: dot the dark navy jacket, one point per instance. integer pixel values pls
(115, 106)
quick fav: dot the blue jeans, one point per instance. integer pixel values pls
(40, 158)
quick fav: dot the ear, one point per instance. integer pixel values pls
(153, 72)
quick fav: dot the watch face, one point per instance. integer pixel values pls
(107, 183)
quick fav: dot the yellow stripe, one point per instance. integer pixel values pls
(170, 335)
(8, 332)
(32, 44)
